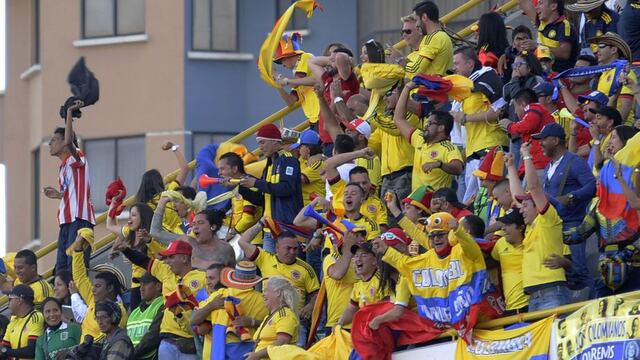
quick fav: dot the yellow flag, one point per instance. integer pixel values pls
(268, 48)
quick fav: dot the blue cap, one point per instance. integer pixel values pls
(553, 129)
(544, 89)
(595, 96)
(308, 137)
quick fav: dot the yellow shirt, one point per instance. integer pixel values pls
(402, 295)
(436, 51)
(542, 238)
(85, 288)
(251, 305)
(22, 329)
(373, 167)
(283, 321)
(374, 209)
(481, 135)
(395, 151)
(195, 280)
(510, 258)
(171, 220)
(338, 291)
(604, 86)
(316, 182)
(367, 292)
(373, 230)
(41, 290)
(308, 99)
(300, 274)
(153, 247)
(413, 64)
(443, 151)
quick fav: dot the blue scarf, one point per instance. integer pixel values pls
(619, 65)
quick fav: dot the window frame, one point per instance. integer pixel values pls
(211, 48)
(35, 27)
(83, 23)
(36, 161)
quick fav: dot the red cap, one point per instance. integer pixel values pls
(269, 132)
(361, 126)
(177, 247)
(395, 236)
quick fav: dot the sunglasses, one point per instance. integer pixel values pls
(602, 46)
(388, 236)
(406, 31)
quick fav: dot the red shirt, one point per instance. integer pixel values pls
(535, 117)
(350, 87)
(459, 213)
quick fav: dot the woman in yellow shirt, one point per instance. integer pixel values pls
(281, 326)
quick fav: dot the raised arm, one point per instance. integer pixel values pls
(332, 163)
(316, 65)
(157, 231)
(515, 185)
(68, 131)
(182, 162)
(245, 239)
(112, 222)
(343, 64)
(338, 270)
(305, 221)
(533, 182)
(330, 123)
(399, 115)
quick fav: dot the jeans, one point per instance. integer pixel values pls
(169, 351)
(269, 244)
(66, 237)
(579, 276)
(314, 258)
(236, 351)
(303, 332)
(548, 298)
(471, 182)
(514, 148)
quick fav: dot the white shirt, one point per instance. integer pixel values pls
(553, 167)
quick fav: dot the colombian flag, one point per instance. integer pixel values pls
(613, 203)
(270, 45)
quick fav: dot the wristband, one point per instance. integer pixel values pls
(528, 157)
(175, 148)
(596, 142)
(338, 99)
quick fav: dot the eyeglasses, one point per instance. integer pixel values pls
(602, 46)
(406, 31)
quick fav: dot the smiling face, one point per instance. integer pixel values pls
(271, 298)
(411, 34)
(364, 264)
(439, 241)
(502, 194)
(353, 197)
(462, 65)
(614, 145)
(25, 272)
(202, 229)
(603, 124)
(52, 313)
(513, 233)
(134, 219)
(528, 211)
(60, 288)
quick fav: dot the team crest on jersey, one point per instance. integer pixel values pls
(372, 291)
(552, 34)
(295, 274)
(372, 209)
(434, 154)
(194, 284)
(64, 336)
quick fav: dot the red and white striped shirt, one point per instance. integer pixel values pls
(73, 178)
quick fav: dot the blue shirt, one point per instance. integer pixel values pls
(608, 21)
(580, 182)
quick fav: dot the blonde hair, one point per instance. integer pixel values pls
(287, 294)
(410, 18)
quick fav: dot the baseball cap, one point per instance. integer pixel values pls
(22, 291)
(365, 246)
(543, 52)
(512, 216)
(544, 89)
(395, 236)
(553, 129)
(595, 96)
(308, 137)
(177, 247)
(360, 126)
(145, 279)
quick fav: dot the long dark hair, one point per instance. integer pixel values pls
(146, 215)
(388, 277)
(493, 33)
(625, 133)
(532, 62)
(150, 185)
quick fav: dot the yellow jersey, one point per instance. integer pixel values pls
(372, 207)
(373, 230)
(436, 55)
(367, 292)
(604, 85)
(395, 151)
(481, 135)
(244, 215)
(541, 239)
(195, 280)
(282, 321)
(89, 325)
(443, 151)
(413, 64)
(41, 290)
(316, 182)
(338, 291)
(510, 258)
(22, 329)
(300, 274)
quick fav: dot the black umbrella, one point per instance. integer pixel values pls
(84, 86)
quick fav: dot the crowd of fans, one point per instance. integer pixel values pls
(450, 177)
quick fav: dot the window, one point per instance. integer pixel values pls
(299, 20)
(215, 25)
(35, 28)
(37, 193)
(101, 18)
(199, 140)
(110, 158)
